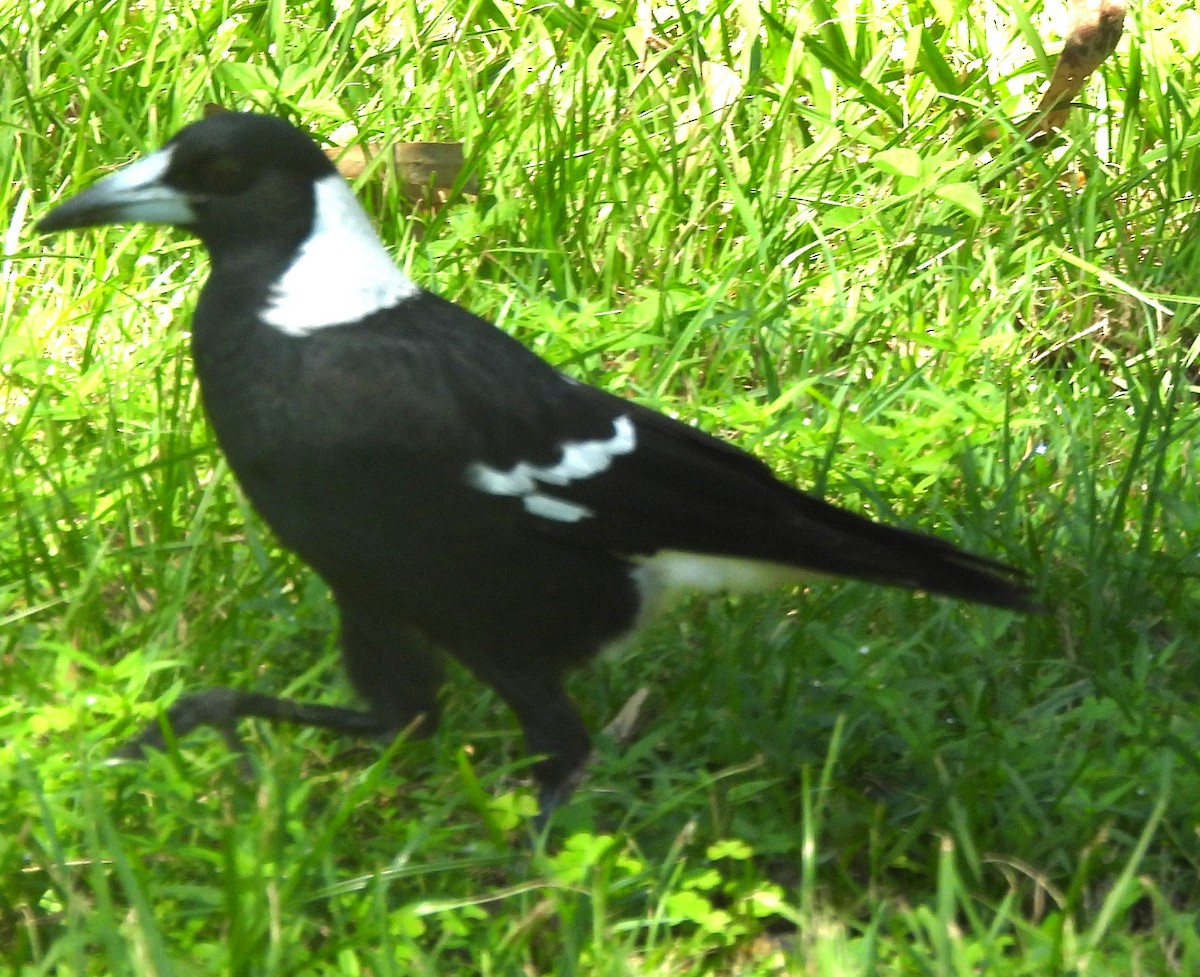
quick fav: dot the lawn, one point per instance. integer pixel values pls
(811, 229)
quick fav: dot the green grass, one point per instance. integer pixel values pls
(811, 230)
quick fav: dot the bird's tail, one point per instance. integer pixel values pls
(854, 546)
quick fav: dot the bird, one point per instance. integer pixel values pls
(459, 495)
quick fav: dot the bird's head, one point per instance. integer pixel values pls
(234, 175)
(272, 210)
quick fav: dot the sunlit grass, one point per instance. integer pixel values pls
(813, 231)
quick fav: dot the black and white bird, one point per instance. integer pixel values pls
(458, 494)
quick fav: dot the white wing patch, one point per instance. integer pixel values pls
(549, 507)
(342, 273)
(580, 459)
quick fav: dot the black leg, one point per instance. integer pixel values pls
(395, 670)
(552, 727)
(221, 708)
(390, 666)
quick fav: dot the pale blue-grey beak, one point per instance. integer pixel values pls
(134, 194)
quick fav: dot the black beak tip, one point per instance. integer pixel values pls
(64, 217)
(55, 221)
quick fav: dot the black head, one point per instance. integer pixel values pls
(233, 177)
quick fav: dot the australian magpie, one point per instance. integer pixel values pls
(458, 494)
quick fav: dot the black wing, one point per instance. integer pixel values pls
(425, 403)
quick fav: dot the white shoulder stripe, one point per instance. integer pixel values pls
(580, 460)
(342, 273)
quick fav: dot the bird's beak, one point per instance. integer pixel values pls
(134, 194)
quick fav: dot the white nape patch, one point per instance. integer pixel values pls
(341, 274)
(580, 459)
(669, 573)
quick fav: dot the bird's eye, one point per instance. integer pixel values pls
(210, 175)
(221, 175)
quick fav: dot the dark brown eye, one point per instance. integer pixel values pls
(209, 175)
(220, 175)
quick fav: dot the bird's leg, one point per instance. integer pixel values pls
(552, 727)
(392, 667)
(620, 729)
(221, 708)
